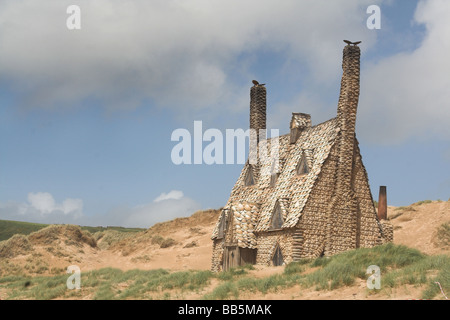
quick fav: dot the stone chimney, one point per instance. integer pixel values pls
(258, 109)
(346, 113)
(299, 122)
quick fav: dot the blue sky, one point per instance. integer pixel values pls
(87, 115)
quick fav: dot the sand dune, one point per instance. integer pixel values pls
(185, 244)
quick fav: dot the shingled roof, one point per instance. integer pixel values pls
(290, 190)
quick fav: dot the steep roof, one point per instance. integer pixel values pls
(291, 189)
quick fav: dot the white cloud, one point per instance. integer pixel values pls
(72, 205)
(403, 96)
(42, 207)
(147, 215)
(196, 54)
(43, 202)
(407, 95)
(173, 194)
(178, 53)
(166, 206)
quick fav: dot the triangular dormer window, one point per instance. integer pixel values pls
(277, 217)
(302, 167)
(273, 179)
(274, 173)
(250, 176)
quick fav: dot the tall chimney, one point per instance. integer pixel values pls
(258, 109)
(346, 112)
(382, 204)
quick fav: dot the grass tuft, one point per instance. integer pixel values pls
(224, 291)
(442, 237)
(16, 245)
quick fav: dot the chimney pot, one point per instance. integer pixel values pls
(299, 122)
(382, 204)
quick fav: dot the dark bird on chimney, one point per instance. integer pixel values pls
(256, 83)
(353, 43)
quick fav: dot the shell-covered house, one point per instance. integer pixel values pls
(314, 201)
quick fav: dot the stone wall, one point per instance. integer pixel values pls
(217, 255)
(314, 220)
(370, 232)
(333, 221)
(268, 241)
(388, 231)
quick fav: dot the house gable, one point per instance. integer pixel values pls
(290, 185)
(239, 219)
(223, 224)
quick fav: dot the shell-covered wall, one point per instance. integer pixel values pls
(313, 222)
(217, 255)
(268, 241)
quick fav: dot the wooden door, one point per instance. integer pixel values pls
(231, 258)
(277, 259)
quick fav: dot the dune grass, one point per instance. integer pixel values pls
(163, 242)
(107, 284)
(399, 266)
(17, 244)
(344, 269)
(422, 202)
(443, 235)
(107, 238)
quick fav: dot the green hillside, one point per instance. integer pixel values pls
(121, 229)
(9, 228)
